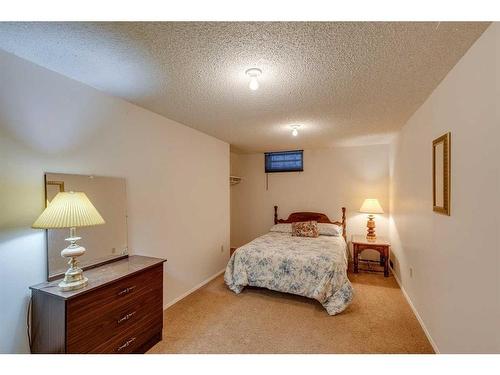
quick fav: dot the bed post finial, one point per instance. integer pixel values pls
(343, 224)
(275, 214)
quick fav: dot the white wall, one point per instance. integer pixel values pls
(177, 182)
(332, 178)
(455, 259)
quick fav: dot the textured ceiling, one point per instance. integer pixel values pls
(346, 83)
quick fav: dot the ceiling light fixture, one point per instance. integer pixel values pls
(253, 73)
(295, 130)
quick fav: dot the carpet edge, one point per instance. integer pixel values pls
(192, 290)
(415, 311)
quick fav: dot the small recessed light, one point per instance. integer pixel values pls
(253, 73)
(295, 130)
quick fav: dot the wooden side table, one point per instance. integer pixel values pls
(360, 243)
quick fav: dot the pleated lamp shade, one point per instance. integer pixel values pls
(67, 210)
(371, 206)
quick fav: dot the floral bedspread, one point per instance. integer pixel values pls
(310, 267)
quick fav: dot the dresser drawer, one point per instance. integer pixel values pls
(121, 292)
(98, 317)
(129, 340)
(85, 337)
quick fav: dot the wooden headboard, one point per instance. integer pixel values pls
(311, 216)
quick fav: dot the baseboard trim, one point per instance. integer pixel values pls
(194, 289)
(424, 328)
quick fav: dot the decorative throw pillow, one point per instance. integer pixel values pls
(305, 229)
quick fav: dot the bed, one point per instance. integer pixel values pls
(310, 267)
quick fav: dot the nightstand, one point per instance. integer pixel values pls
(380, 244)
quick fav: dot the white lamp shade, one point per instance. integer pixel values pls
(371, 206)
(67, 210)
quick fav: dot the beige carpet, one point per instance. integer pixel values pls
(215, 320)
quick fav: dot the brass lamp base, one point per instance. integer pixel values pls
(370, 236)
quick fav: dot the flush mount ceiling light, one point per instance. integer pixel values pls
(295, 130)
(253, 73)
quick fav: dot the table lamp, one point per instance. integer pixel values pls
(371, 206)
(70, 210)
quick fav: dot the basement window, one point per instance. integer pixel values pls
(284, 161)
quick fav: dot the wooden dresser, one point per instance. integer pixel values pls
(120, 311)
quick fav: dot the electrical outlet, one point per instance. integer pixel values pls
(221, 248)
(411, 271)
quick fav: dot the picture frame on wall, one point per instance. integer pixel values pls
(441, 174)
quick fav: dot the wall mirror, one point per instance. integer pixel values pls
(103, 243)
(441, 174)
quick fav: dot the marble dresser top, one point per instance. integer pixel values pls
(102, 275)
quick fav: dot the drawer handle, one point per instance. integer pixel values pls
(126, 290)
(126, 317)
(127, 343)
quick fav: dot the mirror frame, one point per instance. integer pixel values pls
(445, 139)
(84, 268)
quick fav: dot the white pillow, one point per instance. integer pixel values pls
(326, 229)
(281, 228)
